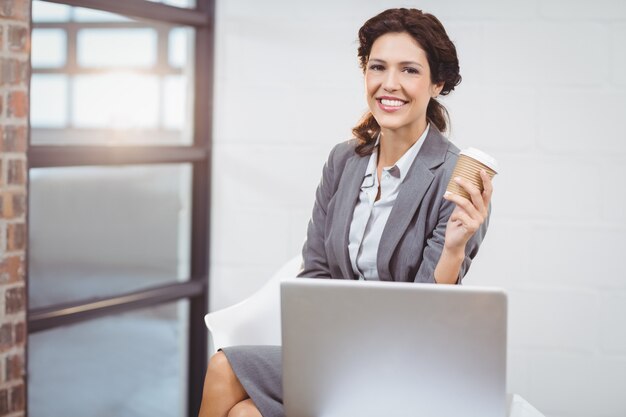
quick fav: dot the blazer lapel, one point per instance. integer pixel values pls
(412, 191)
(346, 197)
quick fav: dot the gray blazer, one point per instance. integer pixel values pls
(412, 240)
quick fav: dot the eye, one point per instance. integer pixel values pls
(376, 67)
(411, 70)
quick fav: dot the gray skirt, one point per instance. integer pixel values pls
(260, 371)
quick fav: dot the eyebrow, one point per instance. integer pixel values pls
(401, 63)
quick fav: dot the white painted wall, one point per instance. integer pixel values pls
(544, 91)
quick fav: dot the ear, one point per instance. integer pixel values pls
(435, 89)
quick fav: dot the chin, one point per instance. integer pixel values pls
(389, 126)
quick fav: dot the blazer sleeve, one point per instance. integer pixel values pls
(315, 260)
(434, 246)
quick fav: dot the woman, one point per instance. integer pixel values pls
(381, 210)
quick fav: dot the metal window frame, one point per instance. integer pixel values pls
(202, 19)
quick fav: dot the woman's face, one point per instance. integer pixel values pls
(397, 80)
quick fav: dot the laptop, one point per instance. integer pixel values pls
(379, 349)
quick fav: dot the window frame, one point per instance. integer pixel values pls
(202, 19)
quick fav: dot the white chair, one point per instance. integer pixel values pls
(255, 320)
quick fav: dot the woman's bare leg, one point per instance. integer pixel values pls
(222, 390)
(245, 408)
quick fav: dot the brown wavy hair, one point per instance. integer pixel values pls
(430, 34)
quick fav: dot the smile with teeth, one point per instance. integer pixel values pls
(391, 103)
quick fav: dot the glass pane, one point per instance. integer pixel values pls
(100, 231)
(44, 11)
(181, 3)
(126, 365)
(102, 47)
(49, 48)
(177, 3)
(180, 44)
(116, 100)
(176, 105)
(82, 14)
(48, 105)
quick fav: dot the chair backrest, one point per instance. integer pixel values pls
(255, 320)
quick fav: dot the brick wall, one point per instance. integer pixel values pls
(544, 90)
(14, 50)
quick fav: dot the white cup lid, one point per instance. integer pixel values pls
(482, 157)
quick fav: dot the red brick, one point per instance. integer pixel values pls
(14, 77)
(13, 71)
(18, 37)
(16, 172)
(20, 333)
(16, 236)
(19, 204)
(15, 9)
(15, 300)
(6, 336)
(6, 206)
(14, 367)
(17, 104)
(13, 139)
(12, 204)
(8, 73)
(17, 398)
(11, 270)
(4, 400)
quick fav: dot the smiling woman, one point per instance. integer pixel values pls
(381, 211)
(423, 53)
(399, 85)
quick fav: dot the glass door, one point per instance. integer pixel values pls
(118, 206)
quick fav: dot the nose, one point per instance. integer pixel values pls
(391, 81)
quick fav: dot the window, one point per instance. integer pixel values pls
(118, 221)
(100, 78)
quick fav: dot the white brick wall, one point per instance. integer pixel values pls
(611, 320)
(618, 54)
(576, 384)
(544, 90)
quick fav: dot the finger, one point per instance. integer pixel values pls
(464, 203)
(465, 220)
(487, 187)
(474, 192)
(465, 212)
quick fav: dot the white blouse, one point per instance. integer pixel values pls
(370, 216)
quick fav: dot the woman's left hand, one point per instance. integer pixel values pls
(468, 215)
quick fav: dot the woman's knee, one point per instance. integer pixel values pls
(244, 408)
(219, 367)
(221, 379)
(222, 389)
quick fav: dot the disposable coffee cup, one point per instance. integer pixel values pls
(468, 166)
